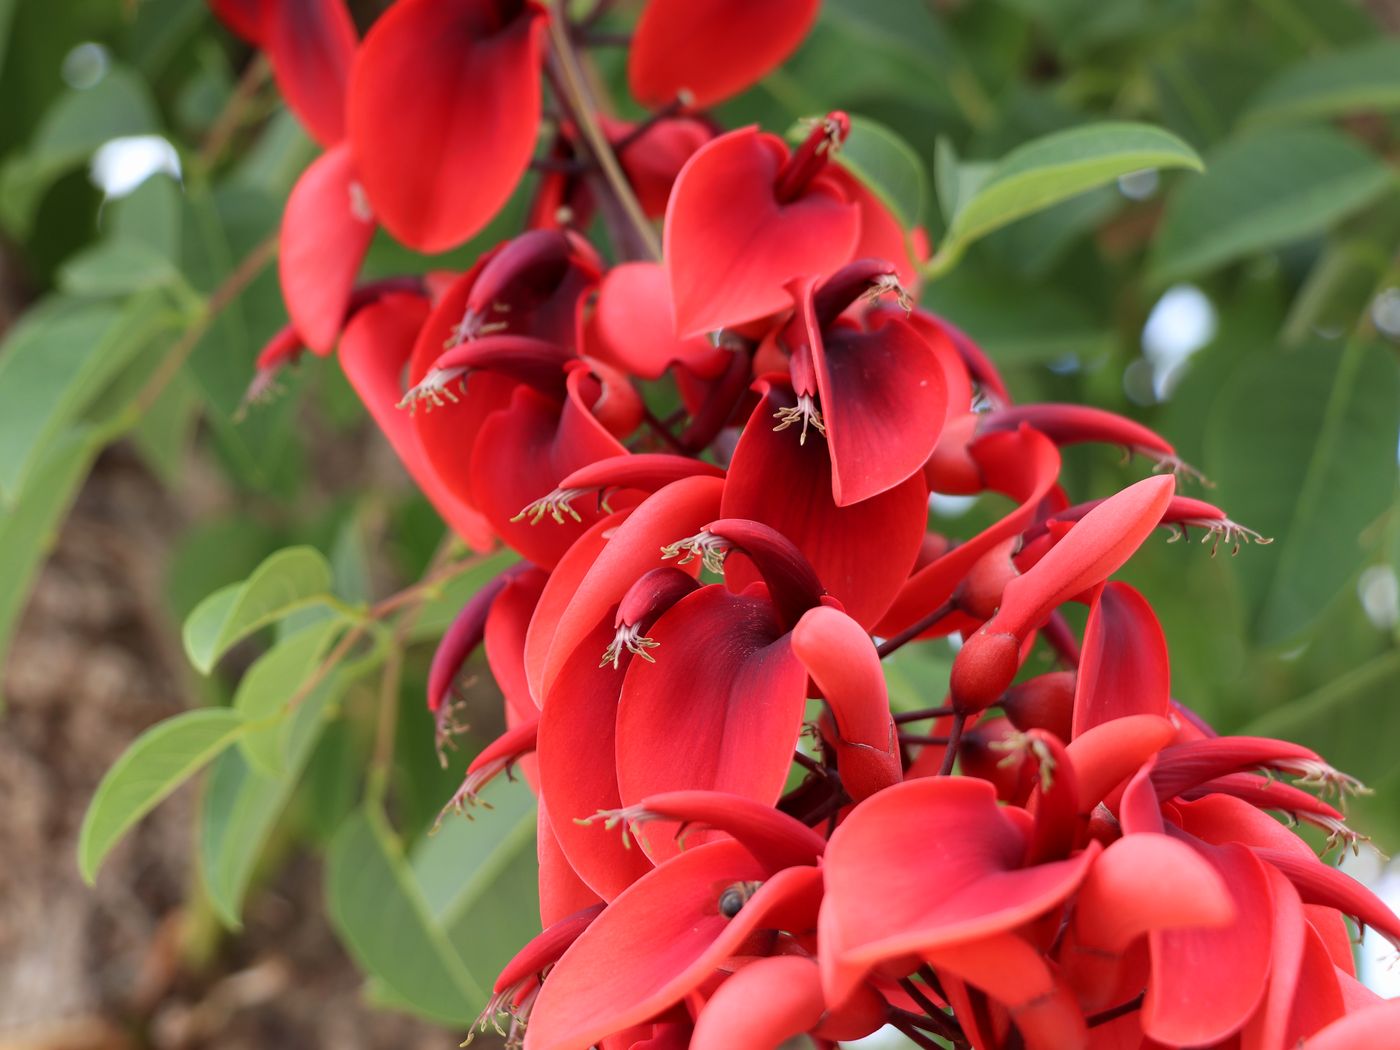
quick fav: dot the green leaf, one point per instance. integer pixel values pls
(157, 762)
(53, 365)
(241, 805)
(888, 167)
(1344, 720)
(117, 267)
(1358, 80)
(1262, 191)
(288, 580)
(29, 529)
(385, 922)
(957, 181)
(1059, 166)
(81, 120)
(1302, 446)
(275, 678)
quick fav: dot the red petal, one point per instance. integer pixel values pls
(712, 48)
(311, 44)
(1207, 982)
(761, 1006)
(842, 660)
(633, 326)
(1022, 465)
(461, 639)
(244, 17)
(720, 709)
(505, 639)
(373, 351)
(1108, 754)
(578, 770)
(925, 865)
(574, 602)
(323, 242)
(1373, 1026)
(1123, 667)
(863, 553)
(654, 944)
(443, 110)
(776, 840)
(884, 401)
(731, 247)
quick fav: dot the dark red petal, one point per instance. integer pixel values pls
(325, 235)
(842, 660)
(776, 840)
(311, 44)
(719, 710)
(634, 328)
(373, 351)
(654, 944)
(863, 553)
(884, 402)
(244, 17)
(764, 1004)
(461, 639)
(1123, 668)
(793, 586)
(443, 109)
(712, 48)
(731, 247)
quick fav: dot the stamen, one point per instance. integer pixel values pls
(709, 548)
(556, 505)
(433, 388)
(1330, 782)
(1218, 531)
(446, 726)
(630, 638)
(1163, 463)
(888, 283)
(1339, 835)
(1017, 746)
(468, 796)
(611, 818)
(515, 1003)
(804, 412)
(473, 326)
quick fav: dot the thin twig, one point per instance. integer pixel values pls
(230, 119)
(889, 645)
(922, 714)
(954, 738)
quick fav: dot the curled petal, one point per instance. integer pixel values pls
(461, 639)
(311, 44)
(762, 1005)
(1123, 667)
(633, 326)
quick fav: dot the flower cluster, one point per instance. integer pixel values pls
(716, 468)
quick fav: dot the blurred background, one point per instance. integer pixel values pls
(1251, 315)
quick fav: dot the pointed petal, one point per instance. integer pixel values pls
(719, 710)
(1108, 754)
(731, 247)
(1123, 668)
(578, 767)
(463, 635)
(863, 553)
(842, 660)
(712, 48)
(311, 44)
(764, 1004)
(505, 639)
(775, 840)
(654, 944)
(439, 88)
(324, 239)
(373, 351)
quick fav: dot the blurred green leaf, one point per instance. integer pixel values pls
(271, 682)
(79, 121)
(117, 267)
(1358, 80)
(286, 581)
(1302, 445)
(158, 761)
(53, 364)
(149, 214)
(888, 166)
(29, 528)
(241, 805)
(1264, 190)
(386, 923)
(1057, 167)
(957, 181)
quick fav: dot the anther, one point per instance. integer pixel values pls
(556, 505)
(888, 284)
(433, 388)
(709, 548)
(804, 412)
(629, 638)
